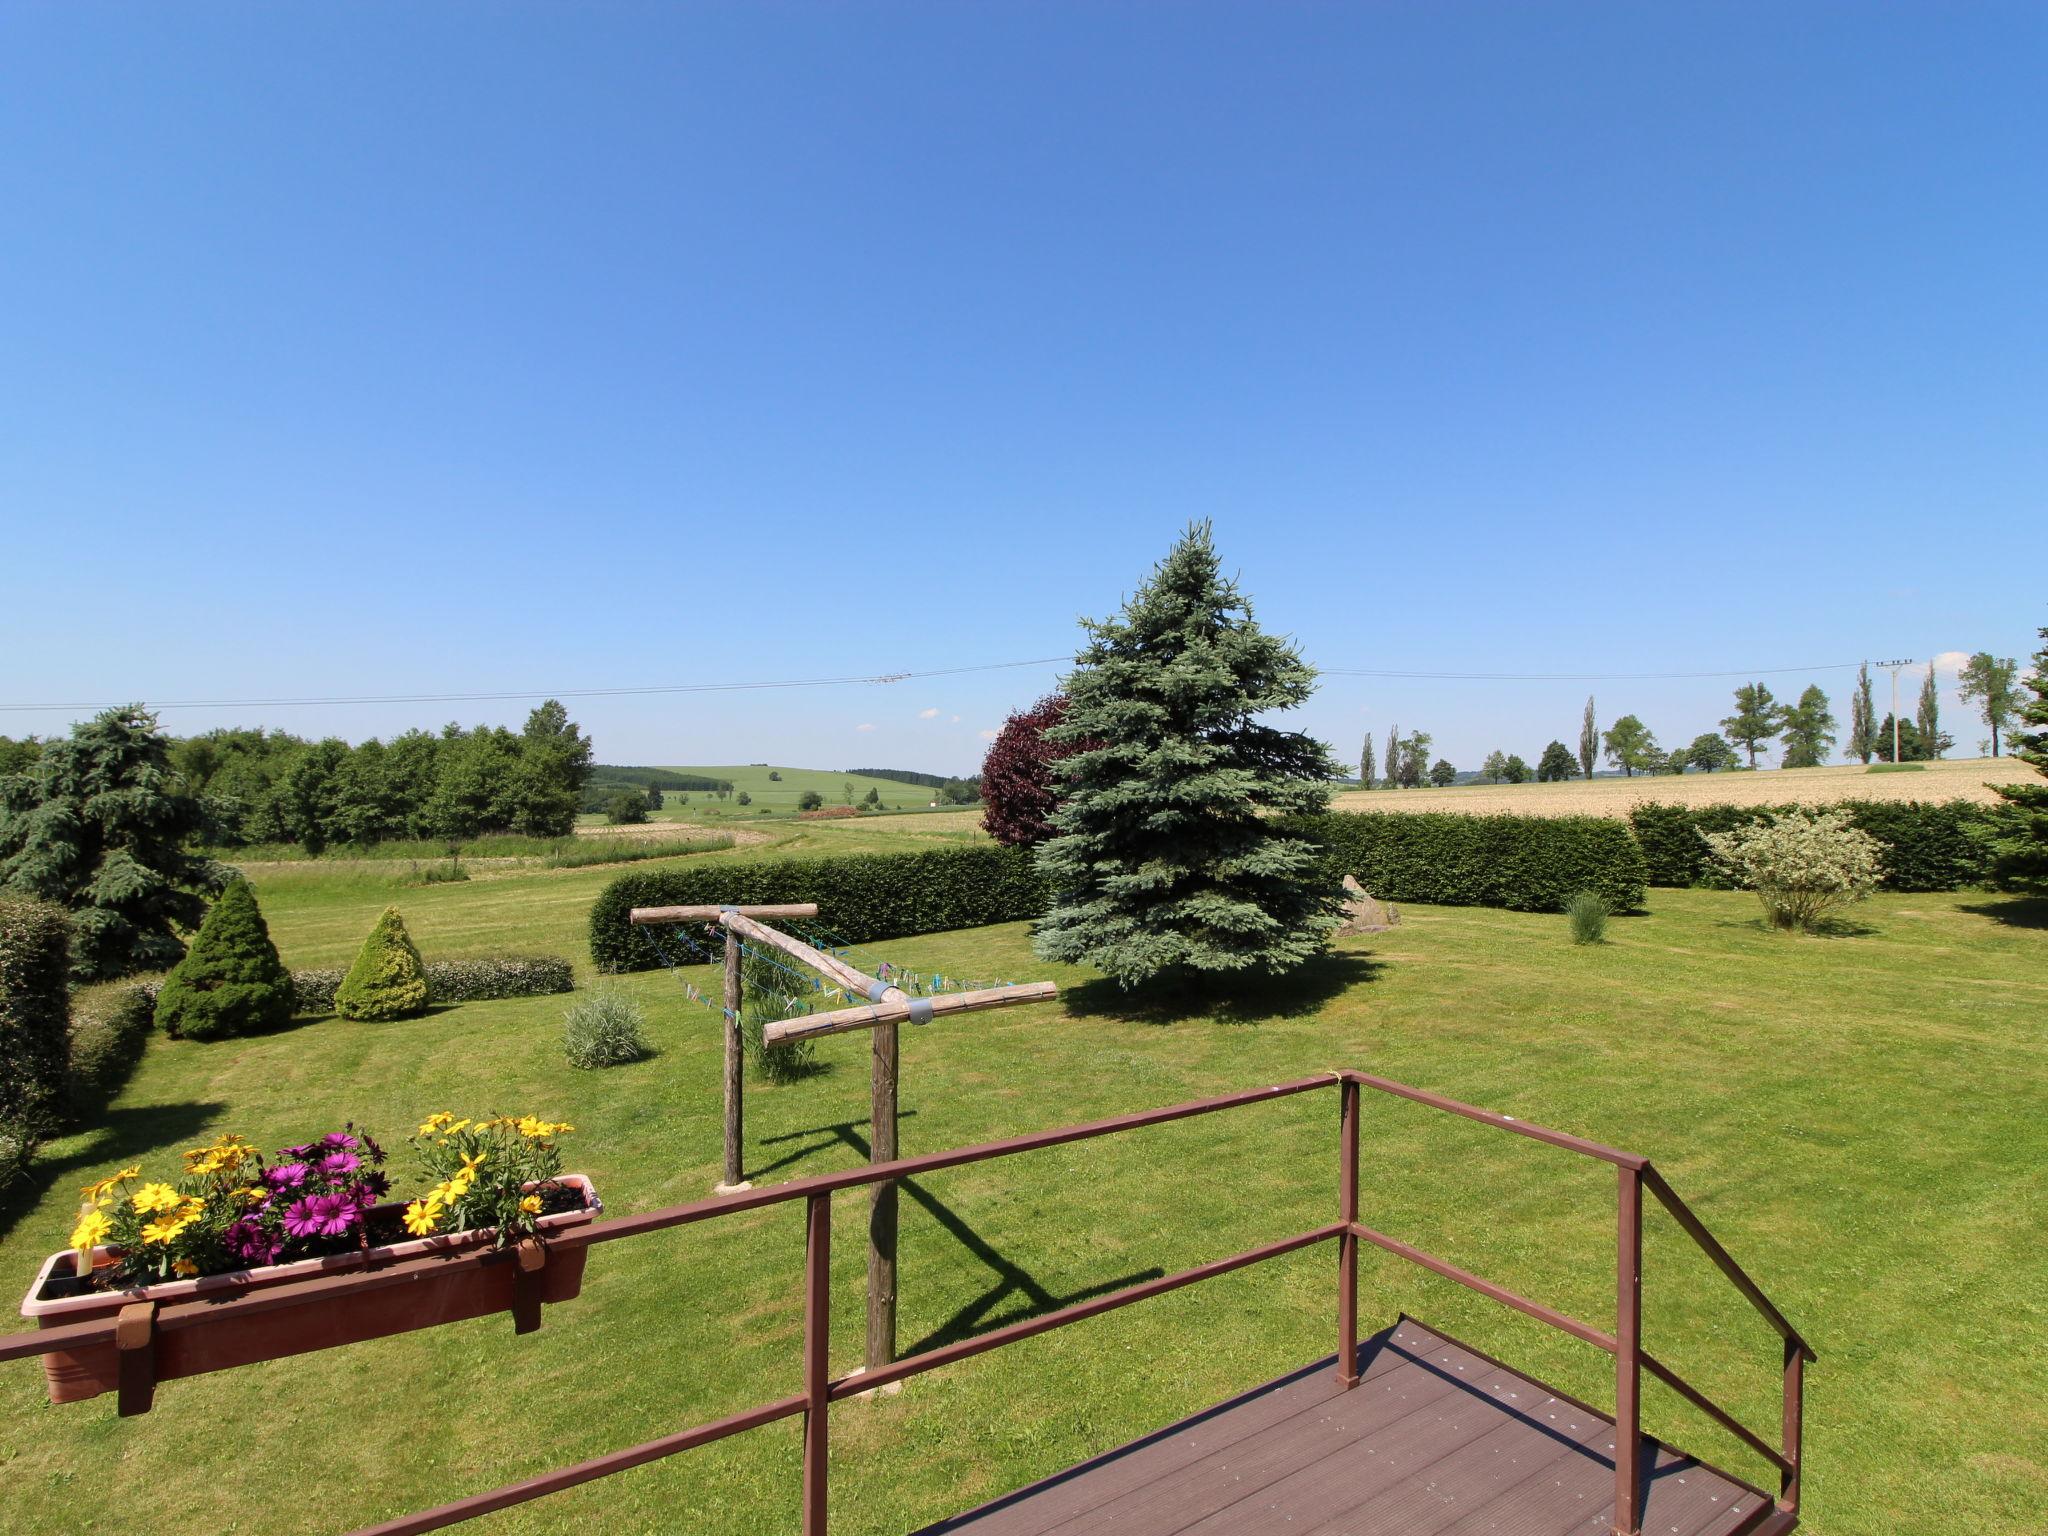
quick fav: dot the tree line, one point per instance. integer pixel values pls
(1806, 727)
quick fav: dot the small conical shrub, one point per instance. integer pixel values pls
(387, 981)
(230, 981)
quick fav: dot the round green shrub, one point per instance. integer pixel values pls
(387, 980)
(604, 1029)
(230, 982)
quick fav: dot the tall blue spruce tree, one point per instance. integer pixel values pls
(1166, 863)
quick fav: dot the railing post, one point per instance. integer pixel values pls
(817, 1340)
(1347, 1241)
(1628, 1334)
(735, 1059)
(1795, 1407)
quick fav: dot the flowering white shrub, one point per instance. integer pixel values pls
(1803, 865)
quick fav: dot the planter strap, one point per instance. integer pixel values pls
(135, 1349)
(528, 1256)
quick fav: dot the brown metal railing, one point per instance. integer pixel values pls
(821, 1389)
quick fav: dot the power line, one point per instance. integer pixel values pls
(1579, 677)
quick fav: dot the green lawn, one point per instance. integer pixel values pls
(780, 795)
(1859, 1118)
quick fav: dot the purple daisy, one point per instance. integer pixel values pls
(320, 1216)
(337, 1165)
(338, 1141)
(247, 1240)
(285, 1176)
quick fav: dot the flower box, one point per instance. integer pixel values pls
(319, 1322)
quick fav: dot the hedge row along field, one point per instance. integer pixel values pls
(1929, 846)
(862, 896)
(1448, 858)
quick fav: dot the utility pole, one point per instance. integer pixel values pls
(1893, 668)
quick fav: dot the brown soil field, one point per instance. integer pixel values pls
(1951, 779)
(673, 831)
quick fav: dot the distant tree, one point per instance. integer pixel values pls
(16, 756)
(625, 807)
(551, 764)
(774, 776)
(1516, 771)
(1415, 758)
(1710, 753)
(1442, 774)
(1809, 729)
(1989, 682)
(1494, 767)
(1913, 747)
(100, 825)
(1019, 774)
(810, 800)
(1393, 757)
(872, 798)
(744, 798)
(1169, 858)
(2020, 849)
(1556, 765)
(1589, 740)
(1927, 716)
(1365, 763)
(655, 798)
(1631, 746)
(1756, 720)
(1862, 718)
(308, 795)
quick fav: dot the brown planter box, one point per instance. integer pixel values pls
(318, 1323)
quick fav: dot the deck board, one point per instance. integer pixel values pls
(1435, 1440)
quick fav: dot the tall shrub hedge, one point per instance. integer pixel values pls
(1523, 863)
(35, 1017)
(862, 896)
(1929, 845)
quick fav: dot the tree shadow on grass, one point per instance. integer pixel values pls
(2014, 912)
(1015, 1293)
(117, 1137)
(1231, 1000)
(1826, 928)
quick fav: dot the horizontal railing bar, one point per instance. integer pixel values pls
(995, 1338)
(1502, 1294)
(1697, 1231)
(1528, 1128)
(710, 914)
(586, 1471)
(1715, 1411)
(193, 1313)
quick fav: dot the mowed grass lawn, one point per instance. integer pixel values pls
(1858, 1118)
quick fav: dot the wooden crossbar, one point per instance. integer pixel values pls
(867, 1017)
(831, 967)
(712, 914)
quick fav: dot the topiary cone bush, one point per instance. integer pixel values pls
(387, 980)
(230, 982)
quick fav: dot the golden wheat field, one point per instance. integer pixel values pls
(1955, 779)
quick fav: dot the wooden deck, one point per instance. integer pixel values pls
(1435, 1438)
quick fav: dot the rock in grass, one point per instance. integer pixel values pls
(387, 980)
(230, 982)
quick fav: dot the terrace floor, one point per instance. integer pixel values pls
(1435, 1438)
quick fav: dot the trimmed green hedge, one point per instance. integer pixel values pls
(110, 1026)
(35, 1017)
(1523, 863)
(1929, 845)
(863, 896)
(451, 981)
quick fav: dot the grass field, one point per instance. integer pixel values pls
(773, 798)
(1857, 1117)
(1958, 779)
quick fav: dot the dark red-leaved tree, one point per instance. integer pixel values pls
(1017, 788)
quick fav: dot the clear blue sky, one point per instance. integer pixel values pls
(402, 348)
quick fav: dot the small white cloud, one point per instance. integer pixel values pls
(1951, 662)
(865, 726)
(927, 714)
(986, 735)
(955, 719)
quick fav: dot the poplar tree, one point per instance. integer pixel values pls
(1167, 862)
(1393, 758)
(1862, 717)
(1365, 763)
(1927, 716)
(1589, 740)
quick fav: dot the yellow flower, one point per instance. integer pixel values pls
(471, 1164)
(249, 1194)
(184, 1269)
(165, 1229)
(422, 1216)
(530, 1205)
(92, 1226)
(434, 1122)
(156, 1197)
(97, 1191)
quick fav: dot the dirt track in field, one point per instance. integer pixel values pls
(1967, 779)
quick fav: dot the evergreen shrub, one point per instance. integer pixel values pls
(387, 980)
(230, 982)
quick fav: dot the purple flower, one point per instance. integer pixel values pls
(340, 1164)
(301, 1152)
(321, 1216)
(285, 1176)
(370, 1146)
(338, 1141)
(248, 1241)
(372, 1189)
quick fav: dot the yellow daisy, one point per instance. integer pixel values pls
(156, 1197)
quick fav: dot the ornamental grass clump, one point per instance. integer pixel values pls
(1804, 866)
(497, 1172)
(1588, 914)
(605, 1029)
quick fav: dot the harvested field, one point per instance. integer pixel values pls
(1959, 779)
(671, 831)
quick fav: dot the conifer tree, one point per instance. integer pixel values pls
(1862, 717)
(387, 980)
(99, 825)
(2020, 848)
(1166, 861)
(230, 981)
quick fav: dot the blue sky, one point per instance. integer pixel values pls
(400, 349)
